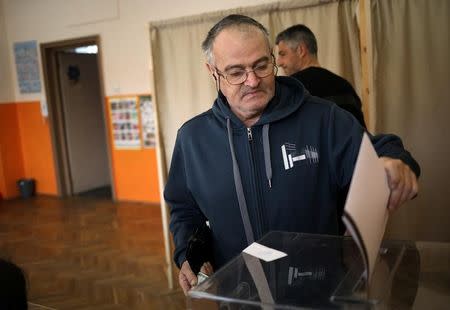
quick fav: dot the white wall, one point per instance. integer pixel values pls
(121, 24)
(6, 87)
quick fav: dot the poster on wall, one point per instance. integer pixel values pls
(147, 121)
(125, 123)
(27, 66)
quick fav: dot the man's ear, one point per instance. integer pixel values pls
(301, 49)
(210, 68)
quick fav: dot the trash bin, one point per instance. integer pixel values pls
(26, 187)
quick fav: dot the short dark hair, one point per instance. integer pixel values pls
(296, 34)
(227, 22)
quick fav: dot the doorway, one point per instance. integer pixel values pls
(77, 117)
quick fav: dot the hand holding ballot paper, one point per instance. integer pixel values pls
(378, 185)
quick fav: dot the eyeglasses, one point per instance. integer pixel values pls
(236, 76)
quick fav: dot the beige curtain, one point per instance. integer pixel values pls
(411, 77)
(182, 85)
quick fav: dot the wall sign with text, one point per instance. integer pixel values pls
(27, 66)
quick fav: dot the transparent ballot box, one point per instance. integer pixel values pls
(318, 272)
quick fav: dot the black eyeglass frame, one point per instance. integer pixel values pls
(274, 71)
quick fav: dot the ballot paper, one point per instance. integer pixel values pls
(365, 212)
(262, 252)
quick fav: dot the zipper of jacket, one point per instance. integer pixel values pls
(249, 135)
(259, 223)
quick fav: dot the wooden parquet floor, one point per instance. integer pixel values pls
(84, 253)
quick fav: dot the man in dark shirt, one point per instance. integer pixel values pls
(297, 55)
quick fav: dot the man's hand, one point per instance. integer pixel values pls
(401, 180)
(188, 279)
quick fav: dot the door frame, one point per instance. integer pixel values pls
(55, 112)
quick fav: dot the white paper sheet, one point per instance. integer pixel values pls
(365, 212)
(262, 252)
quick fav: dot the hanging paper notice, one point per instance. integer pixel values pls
(125, 123)
(27, 66)
(147, 121)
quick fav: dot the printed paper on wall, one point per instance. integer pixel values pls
(125, 123)
(147, 121)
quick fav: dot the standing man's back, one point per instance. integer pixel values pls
(297, 55)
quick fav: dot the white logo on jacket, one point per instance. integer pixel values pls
(290, 155)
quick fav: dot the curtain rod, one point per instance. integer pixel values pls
(259, 9)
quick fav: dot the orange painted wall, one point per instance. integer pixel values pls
(37, 149)
(26, 151)
(11, 161)
(135, 175)
(135, 171)
(2, 179)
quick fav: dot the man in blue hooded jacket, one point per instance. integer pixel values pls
(267, 156)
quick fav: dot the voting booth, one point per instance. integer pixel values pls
(321, 271)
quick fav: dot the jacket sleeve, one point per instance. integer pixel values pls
(185, 215)
(392, 146)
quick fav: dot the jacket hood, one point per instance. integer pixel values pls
(289, 96)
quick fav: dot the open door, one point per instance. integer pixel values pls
(83, 119)
(77, 117)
